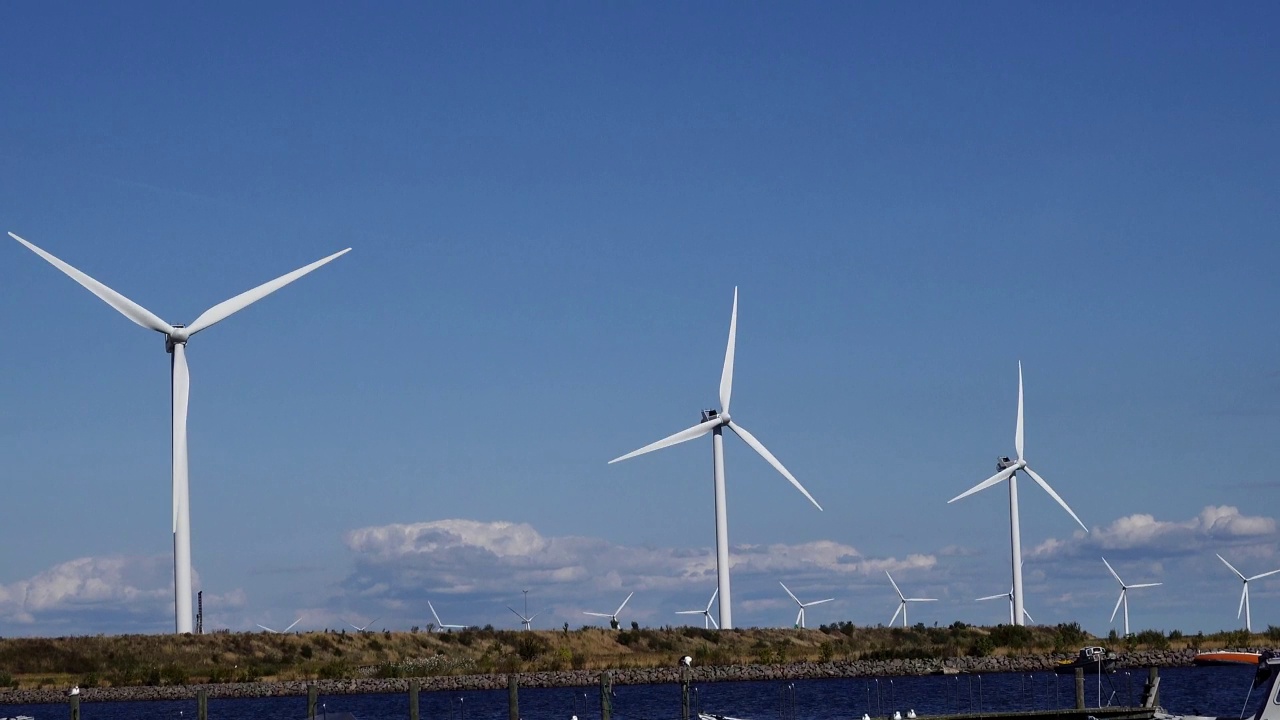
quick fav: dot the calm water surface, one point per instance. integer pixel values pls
(1208, 691)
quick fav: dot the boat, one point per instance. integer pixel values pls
(1090, 658)
(1266, 675)
(1226, 657)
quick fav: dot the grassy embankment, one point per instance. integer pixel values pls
(243, 657)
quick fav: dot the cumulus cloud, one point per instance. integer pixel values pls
(1220, 525)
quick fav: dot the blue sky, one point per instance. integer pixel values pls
(550, 206)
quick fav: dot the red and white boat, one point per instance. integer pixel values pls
(1226, 657)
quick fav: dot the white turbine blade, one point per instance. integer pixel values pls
(295, 622)
(1113, 572)
(264, 627)
(793, 595)
(1273, 572)
(624, 604)
(1118, 601)
(712, 601)
(901, 606)
(683, 436)
(726, 375)
(122, 304)
(434, 615)
(689, 612)
(1017, 434)
(371, 622)
(921, 599)
(1040, 481)
(895, 586)
(356, 627)
(1028, 615)
(584, 612)
(713, 621)
(1243, 596)
(993, 597)
(531, 617)
(999, 477)
(817, 602)
(1144, 585)
(522, 618)
(1233, 568)
(226, 308)
(768, 456)
(181, 399)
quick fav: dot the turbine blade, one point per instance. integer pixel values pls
(584, 612)
(1233, 567)
(227, 308)
(999, 477)
(1118, 601)
(993, 597)
(712, 601)
(726, 375)
(295, 622)
(522, 618)
(122, 304)
(1144, 585)
(1028, 615)
(901, 606)
(178, 427)
(793, 595)
(354, 627)
(683, 436)
(1017, 434)
(624, 604)
(434, 614)
(817, 602)
(921, 599)
(371, 622)
(531, 617)
(1243, 596)
(1265, 574)
(895, 586)
(1040, 481)
(264, 627)
(688, 612)
(768, 456)
(1113, 572)
(713, 621)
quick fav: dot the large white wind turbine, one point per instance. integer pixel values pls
(707, 620)
(613, 616)
(714, 422)
(176, 337)
(441, 625)
(525, 622)
(1009, 595)
(1008, 470)
(800, 616)
(902, 602)
(1124, 596)
(1244, 596)
(280, 632)
(362, 628)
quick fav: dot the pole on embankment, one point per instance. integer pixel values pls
(686, 675)
(513, 698)
(202, 704)
(1079, 688)
(75, 707)
(311, 702)
(606, 695)
(413, 699)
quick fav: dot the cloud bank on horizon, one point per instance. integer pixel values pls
(472, 569)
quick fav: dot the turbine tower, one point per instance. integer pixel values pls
(714, 422)
(800, 616)
(613, 616)
(176, 337)
(1124, 596)
(1244, 596)
(707, 620)
(1008, 470)
(902, 602)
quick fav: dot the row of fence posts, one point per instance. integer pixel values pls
(606, 696)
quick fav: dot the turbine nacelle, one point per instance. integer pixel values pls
(710, 415)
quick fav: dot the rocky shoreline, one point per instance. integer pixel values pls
(583, 678)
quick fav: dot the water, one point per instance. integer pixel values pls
(1204, 691)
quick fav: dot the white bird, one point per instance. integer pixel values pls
(897, 715)
(441, 625)
(613, 617)
(800, 617)
(714, 422)
(1124, 596)
(75, 690)
(1244, 596)
(281, 632)
(176, 337)
(911, 713)
(1008, 470)
(705, 612)
(902, 602)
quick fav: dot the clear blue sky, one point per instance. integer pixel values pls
(550, 206)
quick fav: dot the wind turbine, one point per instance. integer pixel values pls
(1008, 470)
(176, 337)
(1244, 596)
(526, 622)
(1124, 596)
(441, 625)
(360, 629)
(705, 613)
(902, 602)
(613, 617)
(800, 616)
(714, 422)
(280, 632)
(1009, 595)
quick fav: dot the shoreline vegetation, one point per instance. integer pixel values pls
(225, 664)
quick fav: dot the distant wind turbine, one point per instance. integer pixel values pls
(366, 625)
(800, 617)
(1124, 596)
(705, 613)
(902, 602)
(526, 622)
(714, 422)
(281, 632)
(441, 625)
(613, 617)
(176, 337)
(1009, 595)
(1008, 470)
(1244, 596)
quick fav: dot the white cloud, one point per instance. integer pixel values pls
(1220, 525)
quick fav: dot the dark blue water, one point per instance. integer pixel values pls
(1206, 691)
